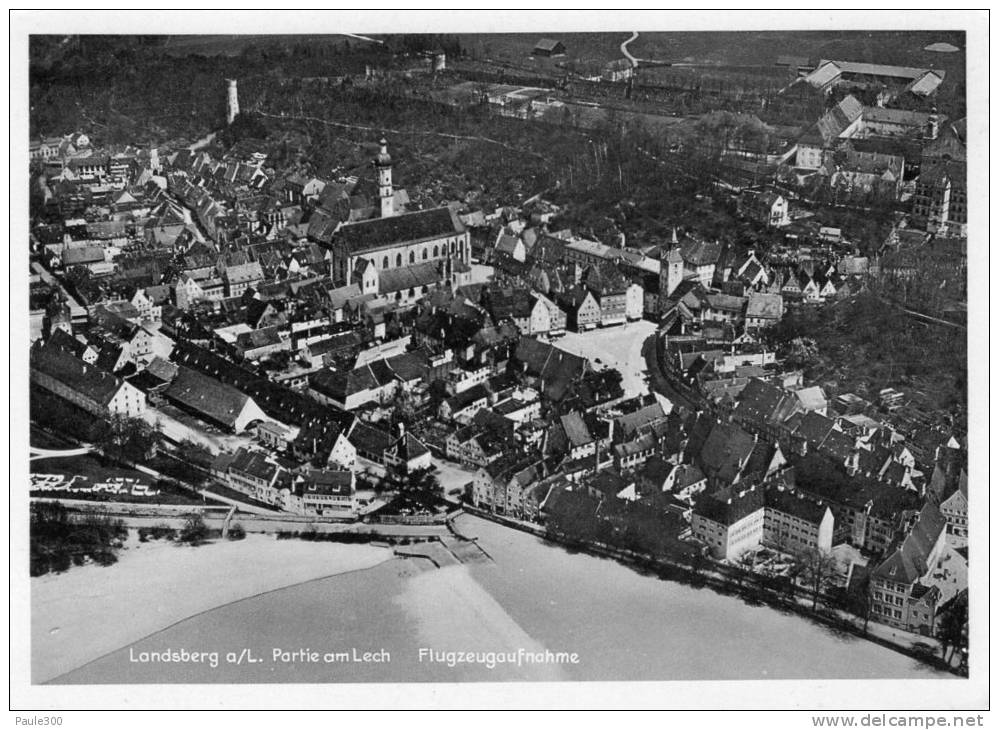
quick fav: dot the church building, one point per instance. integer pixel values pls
(399, 257)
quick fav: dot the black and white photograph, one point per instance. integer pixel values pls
(500, 358)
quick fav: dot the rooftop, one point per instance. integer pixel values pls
(405, 228)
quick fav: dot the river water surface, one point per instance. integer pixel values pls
(528, 598)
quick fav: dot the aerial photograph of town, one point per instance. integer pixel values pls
(486, 357)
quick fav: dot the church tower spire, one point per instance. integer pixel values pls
(383, 164)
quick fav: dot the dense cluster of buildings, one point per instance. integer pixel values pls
(344, 336)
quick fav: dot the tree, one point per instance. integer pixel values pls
(802, 353)
(952, 627)
(196, 453)
(745, 564)
(858, 597)
(126, 438)
(403, 407)
(194, 530)
(817, 569)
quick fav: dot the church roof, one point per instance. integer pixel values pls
(400, 229)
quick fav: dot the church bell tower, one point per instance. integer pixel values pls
(383, 165)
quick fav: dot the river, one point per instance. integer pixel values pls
(527, 598)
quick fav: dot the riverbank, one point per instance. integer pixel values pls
(526, 598)
(88, 611)
(922, 648)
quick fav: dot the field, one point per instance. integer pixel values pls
(583, 50)
(903, 48)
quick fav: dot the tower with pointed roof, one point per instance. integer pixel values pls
(671, 269)
(383, 165)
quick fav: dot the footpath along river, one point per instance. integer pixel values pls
(531, 597)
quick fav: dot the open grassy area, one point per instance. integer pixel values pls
(582, 49)
(44, 440)
(92, 467)
(903, 48)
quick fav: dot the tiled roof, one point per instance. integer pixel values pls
(242, 273)
(408, 447)
(409, 277)
(838, 445)
(576, 430)
(277, 401)
(765, 306)
(811, 398)
(834, 122)
(896, 116)
(383, 232)
(631, 423)
(556, 367)
(685, 475)
(87, 380)
(343, 384)
(465, 398)
(254, 463)
(814, 428)
(207, 396)
(763, 402)
(701, 253)
(729, 506)
(328, 482)
(366, 437)
(795, 504)
(908, 563)
(726, 452)
(547, 44)
(62, 340)
(826, 73)
(82, 255)
(609, 482)
(877, 69)
(725, 302)
(926, 84)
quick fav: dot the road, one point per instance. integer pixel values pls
(362, 37)
(37, 453)
(174, 516)
(626, 53)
